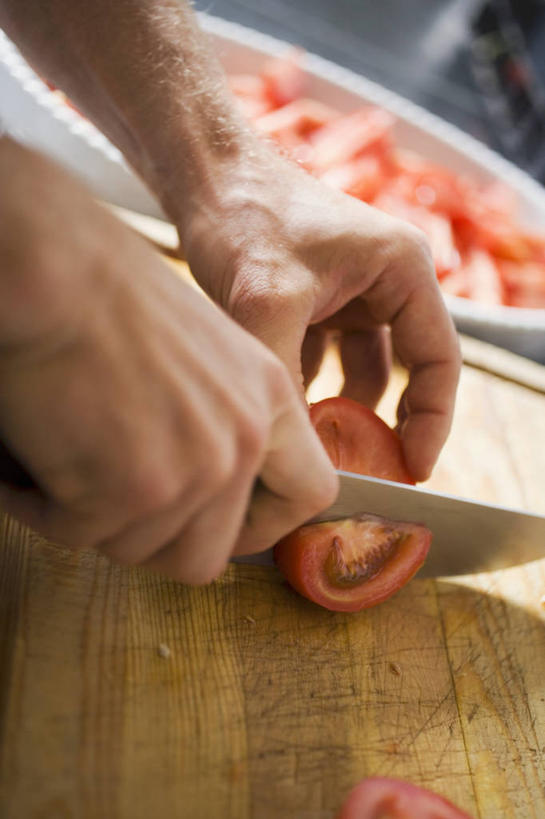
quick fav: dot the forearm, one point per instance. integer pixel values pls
(141, 70)
(54, 241)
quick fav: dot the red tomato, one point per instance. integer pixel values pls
(484, 279)
(493, 232)
(362, 177)
(250, 93)
(430, 185)
(525, 283)
(382, 798)
(291, 125)
(284, 77)
(357, 440)
(350, 135)
(356, 563)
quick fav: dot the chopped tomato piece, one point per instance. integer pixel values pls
(430, 185)
(524, 283)
(292, 124)
(356, 563)
(382, 798)
(362, 178)
(251, 94)
(350, 136)
(284, 78)
(483, 277)
(495, 233)
(499, 198)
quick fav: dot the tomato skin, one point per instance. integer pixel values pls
(357, 440)
(353, 564)
(395, 799)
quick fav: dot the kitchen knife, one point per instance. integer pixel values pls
(467, 536)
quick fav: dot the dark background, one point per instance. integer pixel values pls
(422, 49)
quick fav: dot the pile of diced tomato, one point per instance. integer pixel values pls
(481, 251)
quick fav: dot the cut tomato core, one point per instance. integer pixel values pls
(360, 548)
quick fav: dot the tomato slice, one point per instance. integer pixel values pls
(350, 135)
(383, 798)
(284, 77)
(362, 177)
(352, 564)
(484, 279)
(357, 440)
(250, 94)
(356, 563)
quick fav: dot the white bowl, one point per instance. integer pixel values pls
(40, 118)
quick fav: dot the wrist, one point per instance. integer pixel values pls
(194, 171)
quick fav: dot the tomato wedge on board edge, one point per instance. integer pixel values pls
(383, 798)
(353, 564)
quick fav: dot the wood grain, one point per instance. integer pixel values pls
(268, 706)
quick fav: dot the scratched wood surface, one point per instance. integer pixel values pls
(260, 705)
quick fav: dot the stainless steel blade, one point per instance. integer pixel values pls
(468, 536)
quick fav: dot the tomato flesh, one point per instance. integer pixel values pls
(383, 798)
(355, 563)
(352, 564)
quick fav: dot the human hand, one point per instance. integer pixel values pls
(154, 427)
(291, 259)
(284, 255)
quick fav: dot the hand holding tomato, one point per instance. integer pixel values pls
(288, 257)
(291, 260)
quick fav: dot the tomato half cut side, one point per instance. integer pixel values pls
(383, 798)
(355, 563)
(352, 564)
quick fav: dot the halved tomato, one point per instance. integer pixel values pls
(384, 798)
(357, 440)
(356, 563)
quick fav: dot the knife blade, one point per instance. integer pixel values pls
(468, 536)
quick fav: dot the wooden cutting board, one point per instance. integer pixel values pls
(126, 695)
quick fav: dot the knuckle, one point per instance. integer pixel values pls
(325, 493)
(317, 497)
(417, 244)
(265, 298)
(252, 438)
(279, 380)
(214, 466)
(221, 463)
(66, 483)
(152, 488)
